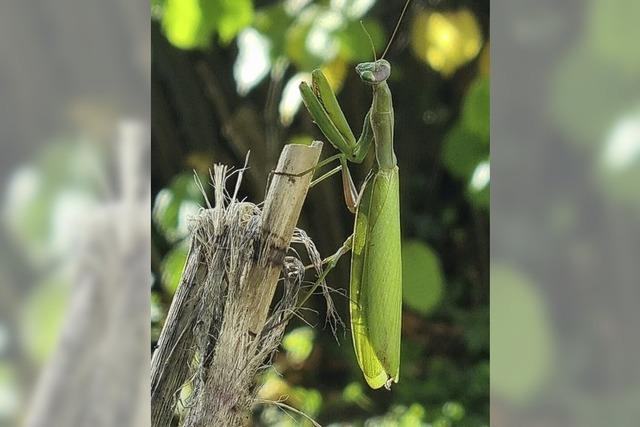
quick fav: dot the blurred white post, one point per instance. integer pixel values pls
(99, 373)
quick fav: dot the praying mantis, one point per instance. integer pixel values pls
(376, 267)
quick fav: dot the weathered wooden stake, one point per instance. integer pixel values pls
(219, 331)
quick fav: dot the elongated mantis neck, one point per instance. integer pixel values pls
(382, 124)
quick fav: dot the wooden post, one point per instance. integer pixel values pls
(282, 207)
(219, 311)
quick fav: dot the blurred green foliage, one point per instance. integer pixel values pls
(48, 206)
(519, 370)
(421, 277)
(440, 82)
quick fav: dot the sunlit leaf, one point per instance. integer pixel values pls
(478, 188)
(231, 16)
(421, 277)
(353, 9)
(291, 99)
(294, 7)
(309, 401)
(354, 393)
(253, 62)
(184, 24)
(273, 386)
(521, 343)
(190, 24)
(446, 40)
(296, 47)
(414, 414)
(172, 266)
(174, 206)
(453, 410)
(299, 344)
(321, 41)
(311, 41)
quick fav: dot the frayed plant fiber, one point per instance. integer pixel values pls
(214, 349)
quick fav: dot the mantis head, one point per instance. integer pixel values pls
(374, 72)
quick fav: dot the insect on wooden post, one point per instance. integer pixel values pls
(376, 267)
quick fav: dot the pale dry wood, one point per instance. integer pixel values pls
(282, 207)
(171, 359)
(222, 304)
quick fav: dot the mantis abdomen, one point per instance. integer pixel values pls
(376, 280)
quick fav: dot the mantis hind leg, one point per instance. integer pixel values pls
(331, 263)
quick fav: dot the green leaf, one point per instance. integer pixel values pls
(190, 24)
(453, 410)
(296, 48)
(185, 25)
(230, 16)
(175, 204)
(299, 344)
(421, 277)
(172, 266)
(463, 151)
(475, 110)
(311, 41)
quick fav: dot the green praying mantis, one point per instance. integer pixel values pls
(376, 267)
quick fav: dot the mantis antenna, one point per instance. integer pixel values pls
(396, 29)
(373, 48)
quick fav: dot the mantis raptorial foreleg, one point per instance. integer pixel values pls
(348, 187)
